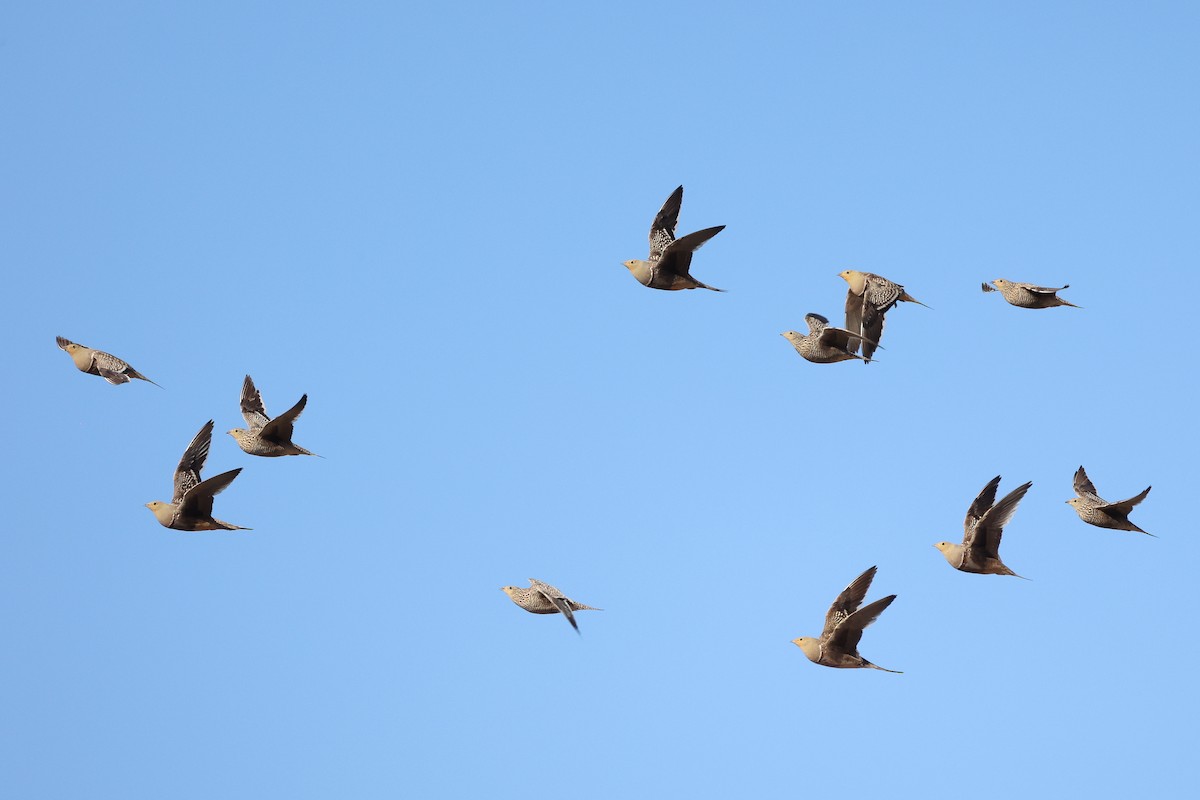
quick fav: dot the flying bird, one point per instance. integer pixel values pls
(191, 504)
(823, 344)
(982, 529)
(869, 297)
(98, 362)
(266, 436)
(838, 644)
(542, 598)
(670, 259)
(1094, 510)
(1026, 295)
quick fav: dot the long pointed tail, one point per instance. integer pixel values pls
(133, 373)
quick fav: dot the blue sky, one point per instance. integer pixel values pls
(417, 215)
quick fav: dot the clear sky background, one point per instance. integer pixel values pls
(417, 215)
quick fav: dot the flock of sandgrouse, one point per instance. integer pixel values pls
(668, 267)
(191, 503)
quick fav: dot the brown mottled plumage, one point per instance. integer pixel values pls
(1094, 510)
(667, 267)
(98, 362)
(1026, 295)
(191, 503)
(838, 644)
(869, 297)
(823, 344)
(542, 598)
(982, 529)
(265, 436)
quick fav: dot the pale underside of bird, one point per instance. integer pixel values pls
(1027, 295)
(1095, 510)
(982, 530)
(191, 503)
(542, 598)
(823, 344)
(98, 362)
(265, 436)
(669, 263)
(868, 298)
(837, 646)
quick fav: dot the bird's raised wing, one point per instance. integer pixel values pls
(253, 410)
(1125, 506)
(816, 323)
(677, 257)
(989, 530)
(662, 230)
(847, 602)
(198, 502)
(846, 636)
(1084, 486)
(187, 474)
(979, 507)
(279, 430)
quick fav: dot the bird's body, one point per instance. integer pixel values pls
(868, 298)
(542, 598)
(98, 362)
(823, 344)
(837, 645)
(1026, 295)
(1097, 511)
(265, 436)
(982, 529)
(667, 267)
(191, 503)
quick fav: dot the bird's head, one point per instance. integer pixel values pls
(855, 279)
(508, 590)
(162, 512)
(791, 336)
(1075, 501)
(65, 344)
(810, 646)
(631, 264)
(1000, 283)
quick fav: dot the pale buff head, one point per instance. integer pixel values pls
(856, 279)
(952, 552)
(810, 646)
(82, 356)
(163, 512)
